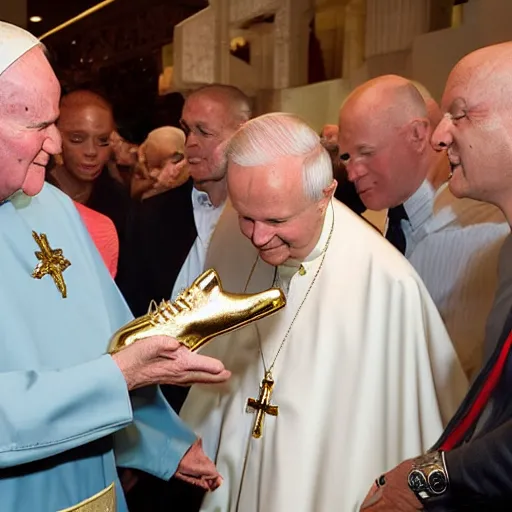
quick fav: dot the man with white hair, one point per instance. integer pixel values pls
(66, 405)
(305, 419)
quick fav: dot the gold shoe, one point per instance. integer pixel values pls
(199, 313)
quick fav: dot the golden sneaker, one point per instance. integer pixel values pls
(199, 313)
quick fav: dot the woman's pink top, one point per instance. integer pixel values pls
(103, 234)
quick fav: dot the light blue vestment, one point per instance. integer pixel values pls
(61, 397)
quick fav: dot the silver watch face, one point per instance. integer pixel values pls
(437, 482)
(417, 481)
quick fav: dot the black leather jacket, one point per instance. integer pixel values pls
(480, 463)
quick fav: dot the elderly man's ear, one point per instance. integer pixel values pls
(330, 132)
(418, 134)
(328, 193)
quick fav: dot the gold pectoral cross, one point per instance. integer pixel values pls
(51, 262)
(262, 405)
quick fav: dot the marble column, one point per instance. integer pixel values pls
(14, 11)
(330, 29)
(222, 40)
(261, 38)
(291, 40)
(355, 33)
(194, 50)
(392, 25)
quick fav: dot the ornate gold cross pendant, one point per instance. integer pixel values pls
(51, 262)
(262, 405)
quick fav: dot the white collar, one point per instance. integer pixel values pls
(420, 206)
(200, 199)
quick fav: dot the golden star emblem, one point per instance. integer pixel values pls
(52, 263)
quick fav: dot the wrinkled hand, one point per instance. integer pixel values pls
(170, 175)
(125, 153)
(163, 360)
(197, 469)
(394, 495)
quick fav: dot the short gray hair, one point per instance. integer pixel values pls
(232, 98)
(266, 138)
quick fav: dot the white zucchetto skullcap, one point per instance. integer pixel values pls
(14, 42)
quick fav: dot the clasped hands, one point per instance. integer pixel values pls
(163, 360)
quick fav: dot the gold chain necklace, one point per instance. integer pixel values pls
(261, 405)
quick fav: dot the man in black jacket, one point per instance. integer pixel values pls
(470, 467)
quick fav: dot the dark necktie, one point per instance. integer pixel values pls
(395, 234)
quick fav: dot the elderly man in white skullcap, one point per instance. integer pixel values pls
(66, 406)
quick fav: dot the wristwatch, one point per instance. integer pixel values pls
(428, 477)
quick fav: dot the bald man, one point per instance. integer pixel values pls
(452, 243)
(211, 115)
(473, 459)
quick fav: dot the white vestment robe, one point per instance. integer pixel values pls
(367, 378)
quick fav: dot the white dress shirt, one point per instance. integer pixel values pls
(454, 246)
(206, 217)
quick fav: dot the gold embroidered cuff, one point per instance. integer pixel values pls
(104, 501)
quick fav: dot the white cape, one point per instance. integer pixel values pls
(367, 378)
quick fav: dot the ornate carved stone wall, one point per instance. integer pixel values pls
(242, 11)
(195, 39)
(285, 44)
(392, 25)
(261, 40)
